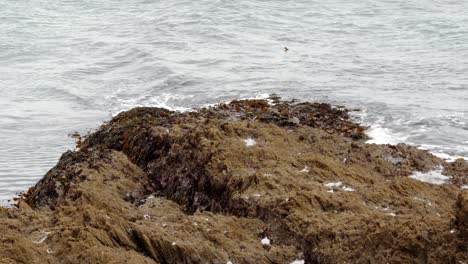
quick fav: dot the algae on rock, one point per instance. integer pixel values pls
(156, 186)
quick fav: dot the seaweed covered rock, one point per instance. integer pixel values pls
(98, 220)
(251, 181)
(462, 215)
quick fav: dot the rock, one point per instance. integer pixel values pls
(295, 120)
(459, 172)
(156, 186)
(462, 213)
(23, 205)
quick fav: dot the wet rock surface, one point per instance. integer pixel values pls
(211, 186)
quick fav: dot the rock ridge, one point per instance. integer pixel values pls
(212, 185)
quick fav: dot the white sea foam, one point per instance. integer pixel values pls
(255, 96)
(447, 157)
(433, 176)
(381, 131)
(382, 135)
(163, 100)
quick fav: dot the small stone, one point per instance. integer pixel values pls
(295, 120)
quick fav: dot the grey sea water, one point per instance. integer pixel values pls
(67, 66)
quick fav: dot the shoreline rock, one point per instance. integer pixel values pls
(156, 186)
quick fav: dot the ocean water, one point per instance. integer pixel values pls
(68, 66)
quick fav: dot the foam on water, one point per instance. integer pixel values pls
(433, 176)
(381, 135)
(448, 157)
(384, 132)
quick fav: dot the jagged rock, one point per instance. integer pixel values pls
(155, 186)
